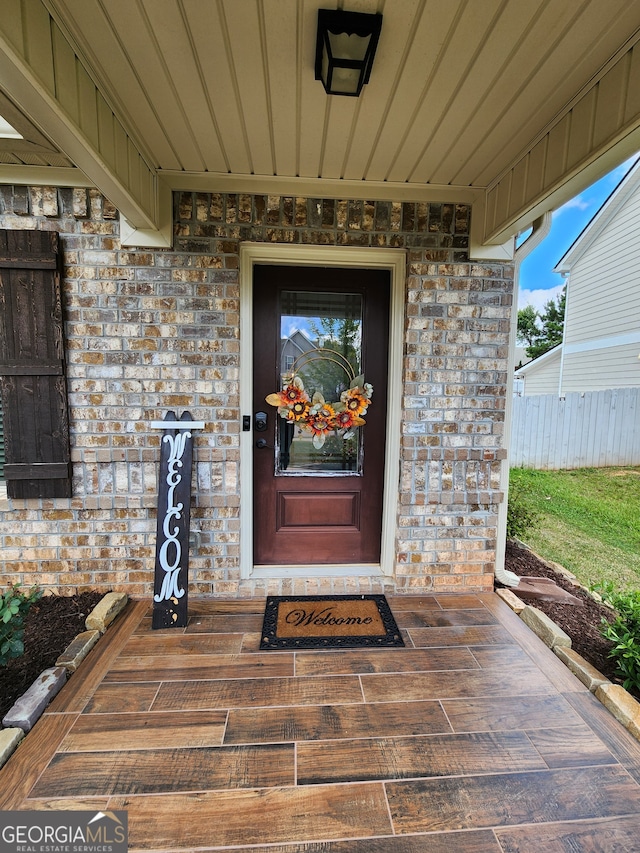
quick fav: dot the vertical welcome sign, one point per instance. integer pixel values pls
(174, 511)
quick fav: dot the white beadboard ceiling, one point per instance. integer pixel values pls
(221, 93)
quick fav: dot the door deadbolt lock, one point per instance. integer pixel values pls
(260, 421)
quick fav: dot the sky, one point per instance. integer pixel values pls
(538, 284)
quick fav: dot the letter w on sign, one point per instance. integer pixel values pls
(172, 538)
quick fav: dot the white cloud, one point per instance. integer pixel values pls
(579, 202)
(538, 298)
(596, 194)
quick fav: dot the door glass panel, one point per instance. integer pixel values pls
(320, 359)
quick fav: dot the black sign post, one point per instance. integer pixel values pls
(174, 510)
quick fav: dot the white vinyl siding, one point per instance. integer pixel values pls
(604, 288)
(601, 341)
(597, 369)
(542, 378)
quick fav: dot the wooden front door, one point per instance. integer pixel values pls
(320, 341)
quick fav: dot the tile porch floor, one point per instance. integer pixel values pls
(474, 738)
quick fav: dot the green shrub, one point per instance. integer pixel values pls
(521, 517)
(14, 605)
(624, 633)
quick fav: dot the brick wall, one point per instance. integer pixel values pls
(153, 330)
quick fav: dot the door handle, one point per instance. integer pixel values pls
(261, 443)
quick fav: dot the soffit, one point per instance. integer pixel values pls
(458, 90)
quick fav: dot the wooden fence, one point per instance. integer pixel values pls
(594, 429)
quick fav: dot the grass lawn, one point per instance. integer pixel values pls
(589, 521)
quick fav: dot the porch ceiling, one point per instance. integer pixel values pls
(512, 106)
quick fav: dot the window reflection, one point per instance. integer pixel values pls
(321, 343)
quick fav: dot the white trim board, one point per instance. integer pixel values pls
(278, 254)
(603, 343)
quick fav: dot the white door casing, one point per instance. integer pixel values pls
(393, 260)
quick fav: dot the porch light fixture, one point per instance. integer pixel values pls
(345, 48)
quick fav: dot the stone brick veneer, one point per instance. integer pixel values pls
(152, 330)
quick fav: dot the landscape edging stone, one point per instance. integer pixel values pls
(550, 634)
(623, 706)
(618, 701)
(9, 740)
(28, 709)
(78, 649)
(97, 622)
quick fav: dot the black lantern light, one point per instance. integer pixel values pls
(345, 49)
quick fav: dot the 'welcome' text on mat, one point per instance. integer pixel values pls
(329, 622)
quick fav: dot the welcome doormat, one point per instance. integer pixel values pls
(328, 621)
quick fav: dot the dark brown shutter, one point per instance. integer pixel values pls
(32, 368)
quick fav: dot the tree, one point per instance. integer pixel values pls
(321, 372)
(546, 334)
(528, 329)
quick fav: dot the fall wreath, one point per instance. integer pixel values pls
(317, 415)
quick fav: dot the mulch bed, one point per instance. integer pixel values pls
(50, 625)
(582, 624)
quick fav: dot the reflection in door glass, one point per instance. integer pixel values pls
(321, 345)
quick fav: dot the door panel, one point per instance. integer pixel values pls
(308, 509)
(319, 465)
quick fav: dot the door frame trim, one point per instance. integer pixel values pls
(280, 254)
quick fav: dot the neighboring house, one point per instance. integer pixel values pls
(175, 169)
(540, 376)
(601, 344)
(293, 347)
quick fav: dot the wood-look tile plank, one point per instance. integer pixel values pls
(257, 692)
(559, 674)
(225, 624)
(379, 660)
(273, 816)
(574, 746)
(176, 667)
(105, 732)
(219, 606)
(444, 618)
(482, 841)
(612, 835)
(460, 635)
(412, 602)
(504, 681)
(23, 768)
(457, 601)
(79, 689)
(121, 698)
(516, 712)
(160, 771)
(476, 802)
(616, 738)
(183, 644)
(366, 760)
(144, 627)
(495, 656)
(251, 643)
(326, 722)
(66, 804)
